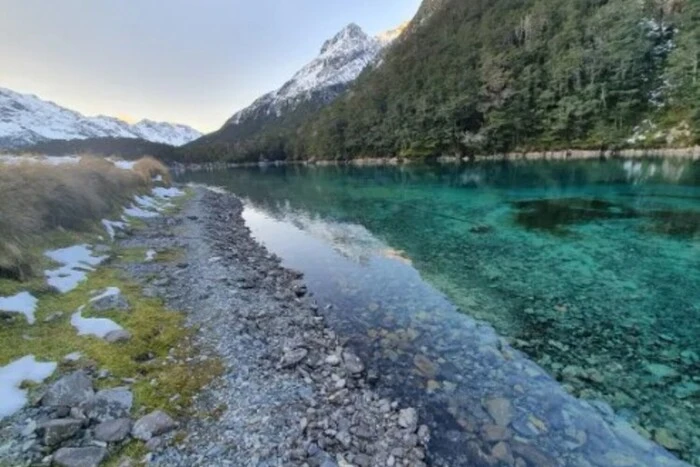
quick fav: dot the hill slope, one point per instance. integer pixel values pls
(26, 120)
(472, 76)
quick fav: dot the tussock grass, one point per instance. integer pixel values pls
(37, 200)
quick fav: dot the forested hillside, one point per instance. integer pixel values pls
(477, 76)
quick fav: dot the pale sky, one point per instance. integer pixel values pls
(185, 61)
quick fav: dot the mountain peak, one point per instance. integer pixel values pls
(350, 34)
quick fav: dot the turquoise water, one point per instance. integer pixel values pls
(591, 269)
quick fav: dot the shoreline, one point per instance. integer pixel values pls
(688, 153)
(291, 392)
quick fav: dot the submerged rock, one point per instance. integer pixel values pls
(500, 410)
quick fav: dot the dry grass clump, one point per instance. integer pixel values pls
(149, 168)
(39, 199)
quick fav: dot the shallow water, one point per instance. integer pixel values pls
(592, 269)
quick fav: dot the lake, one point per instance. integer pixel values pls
(588, 270)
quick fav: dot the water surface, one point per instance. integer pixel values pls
(592, 269)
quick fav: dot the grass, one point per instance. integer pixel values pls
(41, 200)
(160, 354)
(162, 359)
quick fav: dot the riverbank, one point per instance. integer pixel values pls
(689, 153)
(290, 392)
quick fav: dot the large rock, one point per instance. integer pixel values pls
(109, 404)
(113, 431)
(154, 424)
(54, 432)
(79, 457)
(69, 391)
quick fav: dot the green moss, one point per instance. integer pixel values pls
(160, 355)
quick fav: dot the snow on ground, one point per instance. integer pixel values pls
(112, 226)
(167, 193)
(23, 302)
(135, 211)
(98, 327)
(76, 262)
(150, 255)
(108, 292)
(12, 398)
(125, 165)
(73, 357)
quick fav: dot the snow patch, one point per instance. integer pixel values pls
(167, 193)
(112, 226)
(12, 398)
(150, 255)
(98, 327)
(135, 211)
(124, 165)
(48, 160)
(108, 292)
(76, 261)
(24, 303)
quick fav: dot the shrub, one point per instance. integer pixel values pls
(37, 199)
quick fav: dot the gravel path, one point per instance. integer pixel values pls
(291, 394)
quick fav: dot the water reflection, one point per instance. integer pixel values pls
(608, 305)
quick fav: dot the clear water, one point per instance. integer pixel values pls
(591, 269)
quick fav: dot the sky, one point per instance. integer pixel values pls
(185, 61)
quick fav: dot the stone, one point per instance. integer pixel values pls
(109, 404)
(532, 455)
(119, 335)
(424, 434)
(491, 432)
(500, 410)
(110, 301)
(425, 366)
(154, 424)
(333, 360)
(79, 457)
(69, 391)
(686, 390)
(292, 358)
(113, 431)
(352, 363)
(155, 444)
(408, 418)
(56, 431)
(661, 371)
(667, 440)
(501, 451)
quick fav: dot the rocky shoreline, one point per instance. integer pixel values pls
(290, 393)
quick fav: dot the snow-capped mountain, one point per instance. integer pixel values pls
(26, 119)
(340, 62)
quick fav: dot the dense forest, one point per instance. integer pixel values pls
(488, 76)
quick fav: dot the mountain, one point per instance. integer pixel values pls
(26, 120)
(473, 77)
(340, 62)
